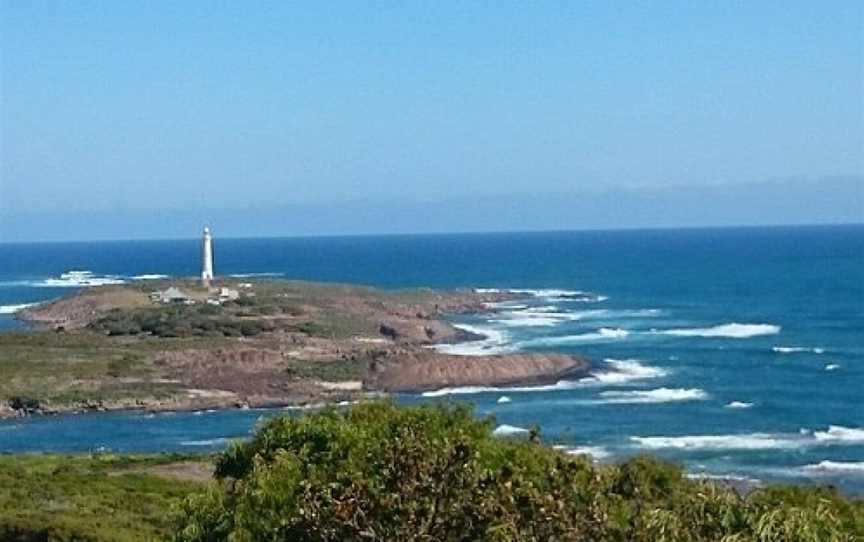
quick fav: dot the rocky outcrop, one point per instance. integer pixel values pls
(414, 372)
(78, 310)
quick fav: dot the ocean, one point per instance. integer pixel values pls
(736, 352)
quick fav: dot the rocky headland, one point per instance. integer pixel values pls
(274, 343)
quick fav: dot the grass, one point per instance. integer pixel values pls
(82, 497)
(66, 368)
(336, 370)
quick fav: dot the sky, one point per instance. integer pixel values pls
(148, 119)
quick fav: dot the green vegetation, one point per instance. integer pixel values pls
(178, 321)
(47, 368)
(378, 472)
(83, 498)
(381, 473)
(327, 370)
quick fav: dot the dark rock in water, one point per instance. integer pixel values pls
(24, 406)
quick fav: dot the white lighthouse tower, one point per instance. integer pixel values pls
(207, 258)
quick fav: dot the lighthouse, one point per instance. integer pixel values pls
(207, 258)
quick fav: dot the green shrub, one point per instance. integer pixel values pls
(378, 472)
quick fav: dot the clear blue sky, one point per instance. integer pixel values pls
(145, 119)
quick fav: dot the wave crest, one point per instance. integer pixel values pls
(505, 430)
(79, 279)
(796, 349)
(12, 309)
(494, 341)
(827, 467)
(659, 395)
(838, 433)
(732, 331)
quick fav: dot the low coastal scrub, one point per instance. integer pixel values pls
(178, 321)
(378, 472)
(84, 498)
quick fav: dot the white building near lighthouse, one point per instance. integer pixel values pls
(207, 258)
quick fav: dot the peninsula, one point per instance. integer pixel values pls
(178, 345)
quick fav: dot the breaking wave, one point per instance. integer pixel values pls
(493, 342)
(739, 405)
(751, 441)
(659, 395)
(838, 433)
(78, 279)
(832, 467)
(469, 390)
(12, 309)
(153, 276)
(797, 349)
(595, 452)
(505, 430)
(207, 442)
(835, 435)
(549, 293)
(252, 275)
(602, 334)
(832, 367)
(622, 372)
(731, 331)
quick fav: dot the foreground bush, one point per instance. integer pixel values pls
(377, 472)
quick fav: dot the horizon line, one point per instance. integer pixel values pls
(444, 233)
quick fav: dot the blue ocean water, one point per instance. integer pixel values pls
(735, 352)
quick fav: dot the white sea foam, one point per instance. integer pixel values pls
(832, 367)
(835, 435)
(622, 372)
(838, 433)
(503, 399)
(747, 441)
(509, 305)
(250, 275)
(602, 334)
(659, 395)
(797, 349)
(152, 276)
(79, 279)
(207, 442)
(12, 309)
(832, 467)
(494, 342)
(739, 405)
(596, 452)
(468, 390)
(505, 430)
(731, 331)
(528, 321)
(549, 293)
(551, 315)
